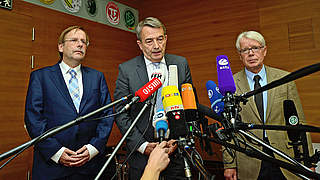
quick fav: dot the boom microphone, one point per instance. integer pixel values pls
(225, 78)
(144, 92)
(288, 78)
(215, 97)
(173, 107)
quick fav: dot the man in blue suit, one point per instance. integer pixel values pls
(59, 94)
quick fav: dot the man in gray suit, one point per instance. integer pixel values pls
(135, 73)
(267, 110)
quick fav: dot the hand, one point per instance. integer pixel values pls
(149, 148)
(67, 158)
(83, 155)
(230, 174)
(158, 161)
(172, 146)
(159, 158)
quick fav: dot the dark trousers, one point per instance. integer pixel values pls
(269, 170)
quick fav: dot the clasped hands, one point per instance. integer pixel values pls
(77, 158)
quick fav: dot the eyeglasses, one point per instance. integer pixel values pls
(254, 49)
(150, 41)
(75, 40)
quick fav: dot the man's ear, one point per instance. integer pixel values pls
(60, 47)
(139, 44)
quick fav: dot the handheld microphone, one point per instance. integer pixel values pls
(225, 77)
(190, 108)
(144, 92)
(173, 107)
(161, 125)
(189, 102)
(215, 97)
(292, 119)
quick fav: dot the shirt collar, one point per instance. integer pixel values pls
(251, 75)
(148, 62)
(65, 68)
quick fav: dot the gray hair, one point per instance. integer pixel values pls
(151, 22)
(251, 35)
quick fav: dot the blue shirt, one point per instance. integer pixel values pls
(263, 81)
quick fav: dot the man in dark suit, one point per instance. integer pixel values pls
(252, 50)
(135, 73)
(59, 94)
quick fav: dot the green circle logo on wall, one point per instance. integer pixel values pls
(129, 19)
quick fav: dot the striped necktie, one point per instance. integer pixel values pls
(74, 89)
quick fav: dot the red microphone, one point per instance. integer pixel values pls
(144, 92)
(148, 89)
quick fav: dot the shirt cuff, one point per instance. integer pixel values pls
(57, 155)
(143, 147)
(92, 151)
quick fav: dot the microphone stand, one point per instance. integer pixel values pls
(304, 128)
(183, 145)
(256, 153)
(58, 129)
(283, 155)
(122, 139)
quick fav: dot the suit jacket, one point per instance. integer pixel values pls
(132, 76)
(49, 104)
(248, 168)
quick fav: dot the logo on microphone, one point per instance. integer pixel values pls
(293, 120)
(223, 62)
(210, 93)
(217, 89)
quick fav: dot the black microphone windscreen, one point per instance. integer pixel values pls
(292, 119)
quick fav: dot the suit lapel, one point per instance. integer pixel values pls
(243, 87)
(270, 77)
(141, 70)
(86, 87)
(59, 83)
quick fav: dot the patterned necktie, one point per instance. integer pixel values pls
(159, 104)
(74, 89)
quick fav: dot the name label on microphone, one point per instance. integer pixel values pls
(148, 89)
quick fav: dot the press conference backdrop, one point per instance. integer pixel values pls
(106, 12)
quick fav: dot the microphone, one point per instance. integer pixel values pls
(225, 77)
(292, 119)
(144, 92)
(296, 138)
(208, 112)
(173, 75)
(161, 125)
(189, 102)
(215, 97)
(173, 107)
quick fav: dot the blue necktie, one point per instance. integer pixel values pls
(74, 89)
(159, 104)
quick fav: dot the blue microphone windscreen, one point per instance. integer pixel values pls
(225, 77)
(215, 97)
(162, 124)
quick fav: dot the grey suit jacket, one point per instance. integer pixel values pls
(132, 76)
(248, 168)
